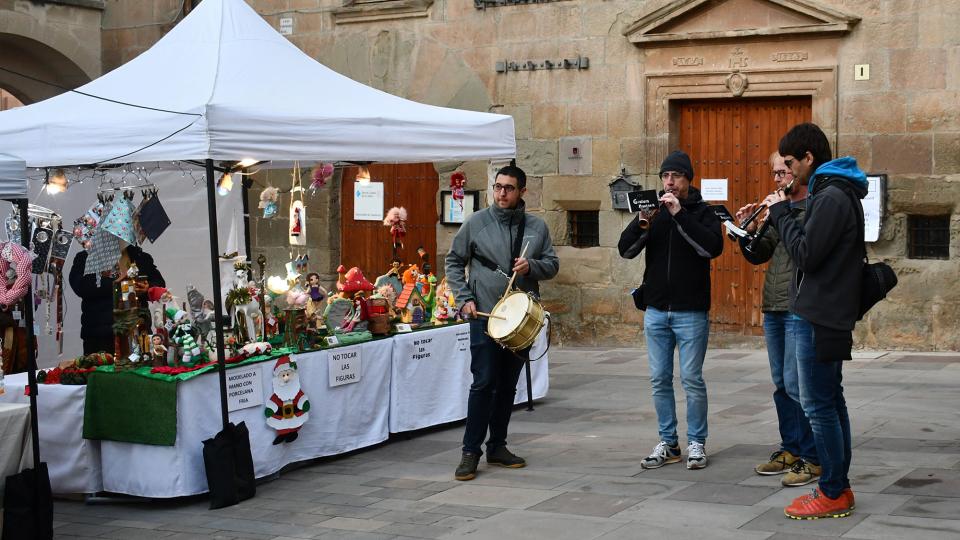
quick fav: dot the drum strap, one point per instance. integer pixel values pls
(515, 251)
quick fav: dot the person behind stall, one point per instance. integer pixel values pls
(96, 302)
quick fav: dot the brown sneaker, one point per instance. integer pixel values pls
(505, 458)
(467, 470)
(801, 474)
(780, 462)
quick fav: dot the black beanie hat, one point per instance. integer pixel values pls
(678, 161)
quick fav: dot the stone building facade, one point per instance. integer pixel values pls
(601, 88)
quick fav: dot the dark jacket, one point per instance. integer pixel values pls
(96, 303)
(827, 248)
(776, 282)
(678, 253)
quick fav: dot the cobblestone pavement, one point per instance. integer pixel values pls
(584, 443)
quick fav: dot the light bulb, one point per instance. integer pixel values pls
(225, 185)
(363, 176)
(247, 162)
(57, 182)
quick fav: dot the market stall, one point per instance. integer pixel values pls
(116, 127)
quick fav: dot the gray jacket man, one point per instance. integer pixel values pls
(485, 251)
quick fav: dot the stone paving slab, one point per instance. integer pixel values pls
(773, 520)
(584, 443)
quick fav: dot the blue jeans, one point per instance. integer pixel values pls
(687, 331)
(779, 329)
(821, 395)
(495, 374)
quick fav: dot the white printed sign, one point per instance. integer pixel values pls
(286, 26)
(344, 364)
(713, 189)
(244, 388)
(368, 201)
(872, 209)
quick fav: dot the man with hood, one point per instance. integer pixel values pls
(679, 242)
(827, 251)
(485, 252)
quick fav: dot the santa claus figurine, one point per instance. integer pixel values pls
(288, 407)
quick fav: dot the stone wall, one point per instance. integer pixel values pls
(903, 121)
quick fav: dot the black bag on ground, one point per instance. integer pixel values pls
(229, 466)
(28, 505)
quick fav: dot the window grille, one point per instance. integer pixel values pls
(928, 237)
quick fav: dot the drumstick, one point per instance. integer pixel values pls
(491, 315)
(514, 276)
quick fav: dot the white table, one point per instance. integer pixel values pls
(342, 418)
(16, 441)
(73, 462)
(431, 378)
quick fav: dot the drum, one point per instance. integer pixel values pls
(516, 321)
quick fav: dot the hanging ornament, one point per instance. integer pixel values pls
(15, 263)
(298, 212)
(457, 181)
(321, 174)
(397, 221)
(268, 202)
(288, 408)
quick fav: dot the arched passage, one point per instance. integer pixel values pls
(35, 59)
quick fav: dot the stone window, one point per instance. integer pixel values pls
(584, 227)
(928, 237)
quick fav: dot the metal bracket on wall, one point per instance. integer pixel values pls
(578, 63)
(484, 4)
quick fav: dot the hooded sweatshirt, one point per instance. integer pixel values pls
(490, 234)
(827, 249)
(678, 252)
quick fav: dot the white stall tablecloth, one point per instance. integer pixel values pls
(16, 441)
(73, 462)
(431, 377)
(341, 419)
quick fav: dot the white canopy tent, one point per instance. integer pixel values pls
(13, 178)
(224, 85)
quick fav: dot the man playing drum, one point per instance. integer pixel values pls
(484, 254)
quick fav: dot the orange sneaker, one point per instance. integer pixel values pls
(848, 493)
(817, 505)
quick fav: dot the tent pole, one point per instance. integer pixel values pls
(22, 205)
(217, 300)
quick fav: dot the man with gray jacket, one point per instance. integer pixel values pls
(485, 251)
(797, 454)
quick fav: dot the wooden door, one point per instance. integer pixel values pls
(733, 139)
(367, 244)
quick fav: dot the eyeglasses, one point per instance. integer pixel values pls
(676, 175)
(506, 188)
(781, 174)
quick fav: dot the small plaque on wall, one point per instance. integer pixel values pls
(454, 212)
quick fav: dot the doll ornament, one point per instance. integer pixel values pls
(457, 181)
(397, 221)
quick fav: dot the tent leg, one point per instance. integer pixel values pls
(217, 300)
(529, 386)
(22, 205)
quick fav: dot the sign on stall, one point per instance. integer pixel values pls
(344, 366)
(244, 389)
(368, 201)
